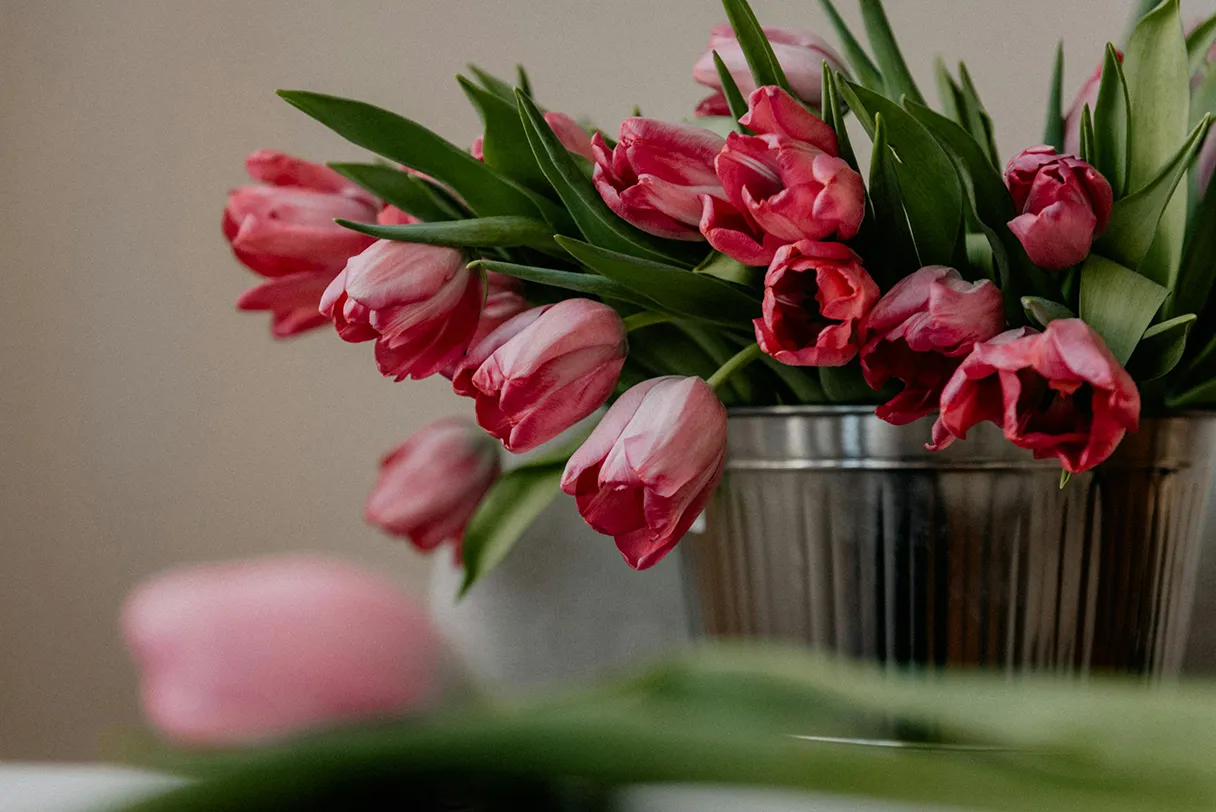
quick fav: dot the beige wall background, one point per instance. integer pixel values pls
(143, 421)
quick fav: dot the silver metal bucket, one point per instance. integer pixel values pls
(835, 529)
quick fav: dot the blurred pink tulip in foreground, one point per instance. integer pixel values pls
(244, 652)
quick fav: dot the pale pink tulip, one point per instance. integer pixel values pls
(919, 332)
(285, 225)
(801, 55)
(551, 374)
(1062, 204)
(420, 303)
(430, 485)
(241, 653)
(291, 300)
(568, 131)
(1059, 393)
(815, 296)
(649, 467)
(656, 175)
(782, 185)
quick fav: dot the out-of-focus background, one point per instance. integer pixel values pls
(143, 421)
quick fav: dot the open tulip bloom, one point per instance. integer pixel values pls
(664, 272)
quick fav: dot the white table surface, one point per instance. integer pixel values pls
(95, 788)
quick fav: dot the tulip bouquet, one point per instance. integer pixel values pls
(670, 271)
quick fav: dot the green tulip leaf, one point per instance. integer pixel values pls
(586, 283)
(834, 115)
(1053, 131)
(1135, 220)
(897, 78)
(896, 251)
(930, 187)
(1118, 303)
(1195, 281)
(493, 84)
(684, 293)
(847, 385)
(598, 223)
(483, 232)
(1043, 312)
(510, 507)
(734, 96)
(860, 64)
(1158, 87)
(523, 81)
(766, 70)
(505, 144)
(406, 142)
(949, 93)
(978, 122)
(731, 270)
(1160, 349)
(1110, 116)
(401, 189)
(1199, 43)
(1087, 135)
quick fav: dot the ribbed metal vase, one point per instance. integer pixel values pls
(837, 530)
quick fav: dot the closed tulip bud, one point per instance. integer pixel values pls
(241, 653)
(801, 55)
(1059, 393)
(420, 303)
(503, 303)
(559, 368)
(783, 184)
(815, 296)
(1062, 204)
(430, 485)
(650, 466)
(919, 332)
(285, 225)
(656, 175)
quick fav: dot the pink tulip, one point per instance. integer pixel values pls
(503, 303)
(1059, 393)
(919, 332)
(430, 485)
(420, 303)
(286, 226)
(801, 55)
(241, 653)
(547, 376)
(783, 184)
(649, 467)
(572, 136)
(481, 349)
(1063, 203)
(815, 296)
(655, 176)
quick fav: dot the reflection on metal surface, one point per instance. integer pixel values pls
(837, 530)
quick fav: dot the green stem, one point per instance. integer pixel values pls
(741, 359)
(644, 319)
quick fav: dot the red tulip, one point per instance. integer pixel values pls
(568, 131)
(1059, 393)
(815, 296)
(783, 184)
(655, 176)
(560, 367)
(420, 303)
(430, 485)
(1063, 203)
(241, 653)
(648, 469)
(286, 226)
(801, 55)
(919, 332)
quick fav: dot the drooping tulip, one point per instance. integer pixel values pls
(285, 224)
(241, 653)
(1059, 393)
(650, 466)
(801, 55)
(919, 332)
(420, 303)
(559, 368)
(782, 185)
(656, 175)
(430, 485)
(1062, 204)
(815, 296)
(481, 349)
(568, 131)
